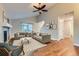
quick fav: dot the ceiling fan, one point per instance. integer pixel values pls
(40, 8)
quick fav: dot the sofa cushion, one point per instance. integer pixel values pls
(7, 47)
(1, 44)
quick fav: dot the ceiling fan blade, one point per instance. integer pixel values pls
(35, 10)
(45, 10)
(42, 6)
(35, 7)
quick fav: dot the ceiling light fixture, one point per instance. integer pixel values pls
(40, 8)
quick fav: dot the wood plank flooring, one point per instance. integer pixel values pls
(63, 47)
(77, 50)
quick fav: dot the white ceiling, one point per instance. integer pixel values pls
(22, 10)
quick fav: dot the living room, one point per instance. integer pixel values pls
(35, 31)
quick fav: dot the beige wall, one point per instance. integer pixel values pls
(17, 22)
(76, 23)
(53, 14)
(1, 22)
(61, 9)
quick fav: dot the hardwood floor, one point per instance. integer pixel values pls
(77, 50)
(57, 48)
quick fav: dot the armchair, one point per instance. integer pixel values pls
(6, 50)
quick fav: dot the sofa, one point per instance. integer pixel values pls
(43, 38)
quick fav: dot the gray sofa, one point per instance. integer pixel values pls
(43, 39)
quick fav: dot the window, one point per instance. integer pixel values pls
(26, 27)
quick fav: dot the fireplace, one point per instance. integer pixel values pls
(6, 26)
(6, 31)
(5, 34)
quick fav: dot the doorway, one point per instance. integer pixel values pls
(65, 25)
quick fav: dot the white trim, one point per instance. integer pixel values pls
(76, 44)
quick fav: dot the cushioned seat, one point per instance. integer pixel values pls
(5, 49)
(43, 39)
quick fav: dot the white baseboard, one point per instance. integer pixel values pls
(76, 44)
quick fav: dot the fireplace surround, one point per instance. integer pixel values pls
(5, 34)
